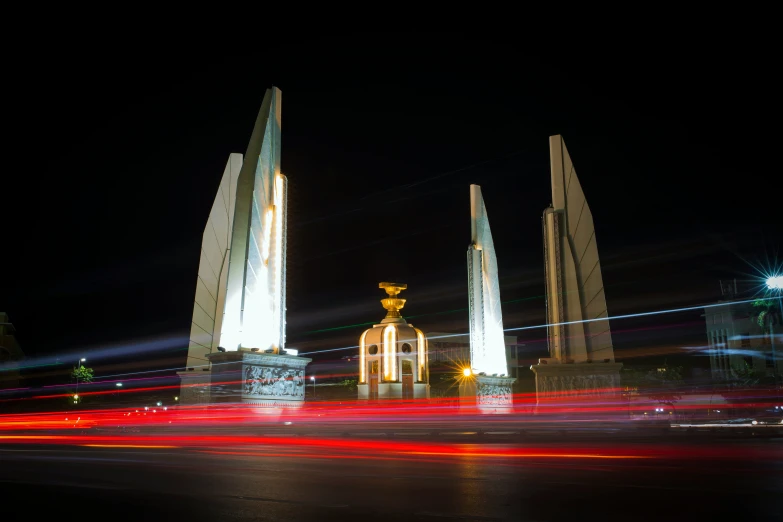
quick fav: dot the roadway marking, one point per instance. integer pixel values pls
(454, 516)
(283, 501)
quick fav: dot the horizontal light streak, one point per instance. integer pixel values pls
(612, 318)
(126, 446)
(535, 455)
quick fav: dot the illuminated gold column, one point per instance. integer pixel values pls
(362, 378)
(278, 267)
(421, 352)
(389, 352)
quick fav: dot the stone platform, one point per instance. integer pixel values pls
(554, 379)
(263, 379)
(491, 394)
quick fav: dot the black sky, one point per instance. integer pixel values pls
(116, 163)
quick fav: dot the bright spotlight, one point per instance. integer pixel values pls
(83, 359)
(775, 282)
(76, 397)
(466, 372)
(118, 385)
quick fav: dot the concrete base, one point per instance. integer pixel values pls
(264, 379)
(488, 394)
(555, 380)
(393, 390)
(194, 387)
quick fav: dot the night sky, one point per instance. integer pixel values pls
(119, 160)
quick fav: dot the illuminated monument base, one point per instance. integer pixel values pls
(555, 380)
(263, 379)
(488, 394)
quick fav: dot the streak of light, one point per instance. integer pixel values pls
(641, 314)
(126, 446)
(612, 318)
(537, 455)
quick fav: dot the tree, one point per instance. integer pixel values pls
(350, 384)
(746, 375)
(766, 314)
(665, 383)
(82, 374)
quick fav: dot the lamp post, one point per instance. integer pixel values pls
(312, 379)
(76, 396)
(775, 283)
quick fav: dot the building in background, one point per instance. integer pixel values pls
(10, 354)
(581, 355)
(453, 350)
(738, 344)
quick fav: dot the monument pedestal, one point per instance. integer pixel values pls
(194, 387)
(491, 394)
(556, 380)
(393, 390)
(263, 379)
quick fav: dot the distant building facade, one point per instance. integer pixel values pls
(10, 352)
(454, 349)
(736, 339)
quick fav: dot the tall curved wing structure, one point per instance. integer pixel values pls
(575, 288)
(255, 302)
(487, 343)
(240, 294)
(210, 296)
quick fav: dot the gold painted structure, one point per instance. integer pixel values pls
(392, 303)
(393, 361)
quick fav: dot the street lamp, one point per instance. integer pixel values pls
(77, 373)
(118, 385)
(775, 283)
(312, 379)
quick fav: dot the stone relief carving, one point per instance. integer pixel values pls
(494, 395)
(588, 385)
(274, 382)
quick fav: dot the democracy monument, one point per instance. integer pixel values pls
(237, 342)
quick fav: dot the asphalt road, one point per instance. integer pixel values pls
(295, 483)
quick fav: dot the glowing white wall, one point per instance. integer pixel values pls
(487, 347)
(213, 269)
(580, 291)
(240, 291)
(255, 304)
